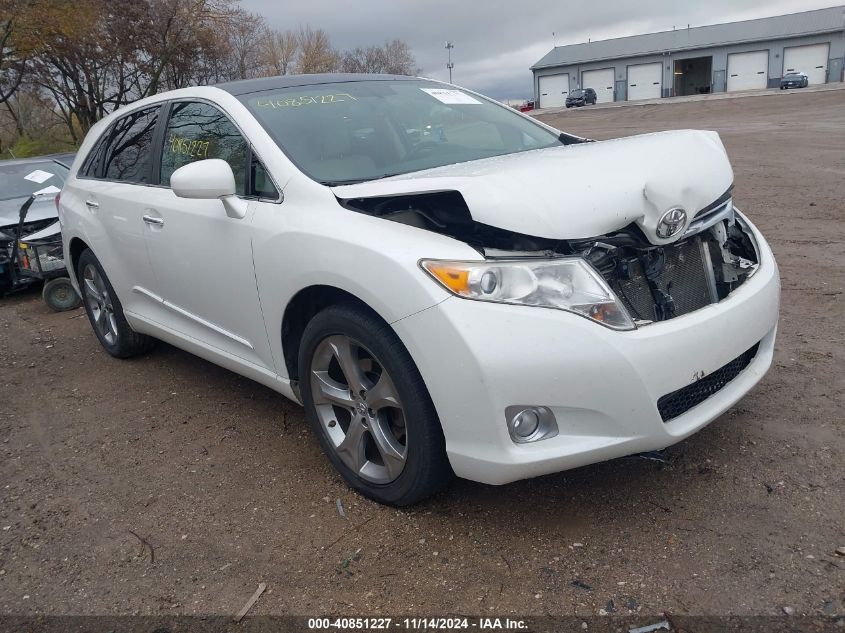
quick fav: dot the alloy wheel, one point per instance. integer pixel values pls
(99, 303)
(359, 409)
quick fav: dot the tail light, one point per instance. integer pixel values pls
(56, 200)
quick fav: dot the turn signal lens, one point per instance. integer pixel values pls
(454, 279)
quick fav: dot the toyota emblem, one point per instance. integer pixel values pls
(672, 223)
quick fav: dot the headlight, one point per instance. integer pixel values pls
(569, 284)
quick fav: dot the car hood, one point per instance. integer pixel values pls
(579, 191)
(42, 208)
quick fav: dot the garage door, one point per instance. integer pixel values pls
(645, 81)
(601, 81)
(748, 71)
(553, 90)
(810, 60)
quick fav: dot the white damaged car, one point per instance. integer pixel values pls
(446, 285)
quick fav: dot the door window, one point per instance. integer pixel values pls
(197, 131)
(128, 151)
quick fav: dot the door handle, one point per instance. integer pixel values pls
(153, 221)
(92, 205)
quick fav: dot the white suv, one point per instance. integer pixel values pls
(447, 285)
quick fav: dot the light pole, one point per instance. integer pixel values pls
(449, 64)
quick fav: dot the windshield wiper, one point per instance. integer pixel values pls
(340, 183)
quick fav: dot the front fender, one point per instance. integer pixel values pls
(296, 246)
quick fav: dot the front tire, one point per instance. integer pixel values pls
(368, 405)
(105, 312)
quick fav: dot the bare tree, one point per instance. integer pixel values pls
(394, 58)
(178, 36)
(12, 61)
(246, 36)
(399, 60)
(316, 54)
(364, 60)
(90, 71)
(281, 49)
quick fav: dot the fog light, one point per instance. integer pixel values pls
(530, 423)
(525, 423)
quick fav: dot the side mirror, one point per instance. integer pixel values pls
(208, 180)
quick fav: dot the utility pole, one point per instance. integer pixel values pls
(449, 64)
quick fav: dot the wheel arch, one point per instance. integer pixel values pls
(302, 307)
(77, 247)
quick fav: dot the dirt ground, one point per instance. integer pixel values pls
(166, 485)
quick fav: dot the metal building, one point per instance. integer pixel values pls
(747, 55)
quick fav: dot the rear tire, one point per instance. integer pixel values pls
(60, 295)
(105, 313)
(367, 404)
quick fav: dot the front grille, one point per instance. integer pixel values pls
(679, 402)
(686, 277)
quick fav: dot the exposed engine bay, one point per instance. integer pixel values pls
(655, 283)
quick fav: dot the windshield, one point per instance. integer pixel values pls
(20, 180)
(341, 133)
(576, 93)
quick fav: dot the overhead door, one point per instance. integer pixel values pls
(553, 90)
(810, 60)
(601, 81)
(748, 71)
(645, 81)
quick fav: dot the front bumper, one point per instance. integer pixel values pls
(603, 386)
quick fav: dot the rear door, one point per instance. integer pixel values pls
(202, 258)
(109, 190)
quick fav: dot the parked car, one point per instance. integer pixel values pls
(581, 97)
(30, 235)
(794, 80)
(498, 301)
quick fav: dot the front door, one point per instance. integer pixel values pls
(202, 259)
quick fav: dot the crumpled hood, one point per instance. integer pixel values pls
(579, 191)
(42, 208)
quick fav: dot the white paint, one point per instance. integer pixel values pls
(601, 81)
(452, 97)
(645, 81)
(553, 90)
(810, 60)
(232, 280)
(748, 71)
(563, 192)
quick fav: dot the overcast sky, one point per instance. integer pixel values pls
(497, 40)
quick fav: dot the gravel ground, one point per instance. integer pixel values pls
(166, 485)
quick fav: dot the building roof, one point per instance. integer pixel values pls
(792, 25)
(247, 86)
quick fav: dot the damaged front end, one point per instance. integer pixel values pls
(656, 283)
(715, 254)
